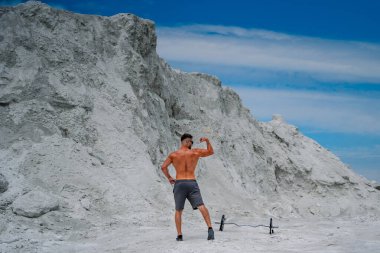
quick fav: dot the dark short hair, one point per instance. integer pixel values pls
(185, 135)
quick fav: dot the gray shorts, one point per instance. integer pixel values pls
(187, 189)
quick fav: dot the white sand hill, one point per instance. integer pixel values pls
(88, 113)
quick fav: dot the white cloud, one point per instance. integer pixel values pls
(325, 60)
(316, 110)
(360, 153)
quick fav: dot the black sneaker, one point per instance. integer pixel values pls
(210, 234)
(179, 238)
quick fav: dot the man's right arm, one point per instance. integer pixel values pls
(205, 152)
(165, 166)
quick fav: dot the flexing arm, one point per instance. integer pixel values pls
(205, 152)
(165, 170)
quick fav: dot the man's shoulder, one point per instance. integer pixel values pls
(197, 151)
(173, 154)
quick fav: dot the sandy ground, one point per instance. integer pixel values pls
(295, 235)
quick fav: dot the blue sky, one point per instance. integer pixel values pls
(316, 62)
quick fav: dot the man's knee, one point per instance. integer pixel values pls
(202, 207)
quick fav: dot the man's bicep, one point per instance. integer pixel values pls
(202, 152)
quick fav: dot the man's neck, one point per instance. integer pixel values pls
(184, 148)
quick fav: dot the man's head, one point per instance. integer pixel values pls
(187, 140)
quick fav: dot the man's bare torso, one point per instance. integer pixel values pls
(185, 163)
(185, 159)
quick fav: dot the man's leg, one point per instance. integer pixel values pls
(178, 221)
(206, 216)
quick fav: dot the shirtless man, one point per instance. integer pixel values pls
(184, 161)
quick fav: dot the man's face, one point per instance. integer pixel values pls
(188, 142)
